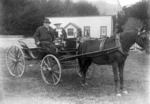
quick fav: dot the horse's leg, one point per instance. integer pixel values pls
(81, 66)
(85, 67)
(115, 72)
(80, 63)
(121, 69)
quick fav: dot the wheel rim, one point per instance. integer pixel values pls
(89, 73)
(51, 70)
(15, 61)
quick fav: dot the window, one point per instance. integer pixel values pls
(87, 31)
(70, 32)
(103, 31)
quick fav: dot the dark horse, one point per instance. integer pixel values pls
(115, 58)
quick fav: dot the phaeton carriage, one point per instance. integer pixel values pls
(114, 53)
(51, 65)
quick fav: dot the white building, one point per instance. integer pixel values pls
(72, 30)
(94, 26)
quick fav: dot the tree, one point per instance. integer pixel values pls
(24, 16)
(85, 9)
(20, 16)
(134, 15)
(133, 24)
(1, 14)
(138, 10)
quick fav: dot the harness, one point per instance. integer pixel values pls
(102, 43)
(119, 45)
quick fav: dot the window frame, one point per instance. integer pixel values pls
(68, 31)
(87, 28)
(103, 31)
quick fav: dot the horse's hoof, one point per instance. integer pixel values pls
(125, 92)
(84, 84)
(118, 95)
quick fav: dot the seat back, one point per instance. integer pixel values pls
(71, 43)
(27, 43)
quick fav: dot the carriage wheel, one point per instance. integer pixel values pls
(15, 61)
(35, 54)
(51, 69)
(90, 72)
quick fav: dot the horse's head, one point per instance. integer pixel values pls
(143, 40)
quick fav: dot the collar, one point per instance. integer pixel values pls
(118, 42)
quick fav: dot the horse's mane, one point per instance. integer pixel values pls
(127, 33)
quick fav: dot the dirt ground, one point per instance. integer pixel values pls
(31, 89)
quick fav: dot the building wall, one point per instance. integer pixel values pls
(95, 23)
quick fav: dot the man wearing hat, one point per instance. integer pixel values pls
(44, 36)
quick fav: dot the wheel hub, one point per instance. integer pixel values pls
(50, 69)
(15, 60)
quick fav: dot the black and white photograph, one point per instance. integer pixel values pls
(74, 51)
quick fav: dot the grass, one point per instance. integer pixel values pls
(30, 88)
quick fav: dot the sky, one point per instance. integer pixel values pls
(122, 2)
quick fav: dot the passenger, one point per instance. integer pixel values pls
(44, 37)
(61, 33)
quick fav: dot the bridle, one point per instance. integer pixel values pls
(120, 45)
(145, 47)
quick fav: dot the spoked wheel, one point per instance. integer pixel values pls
(35, 54)
(15, 61)
(90, 72)
(51, 69)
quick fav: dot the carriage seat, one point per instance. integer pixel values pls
(70, 45)
(27, 43)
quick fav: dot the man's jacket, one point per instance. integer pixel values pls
(43, 34)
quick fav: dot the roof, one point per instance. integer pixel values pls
(73, 24)
(81, 16)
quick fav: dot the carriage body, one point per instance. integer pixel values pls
(17, 55)
(30, 49)
(33, 52)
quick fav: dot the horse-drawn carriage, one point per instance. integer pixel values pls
(114, 52)
(51, 65)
